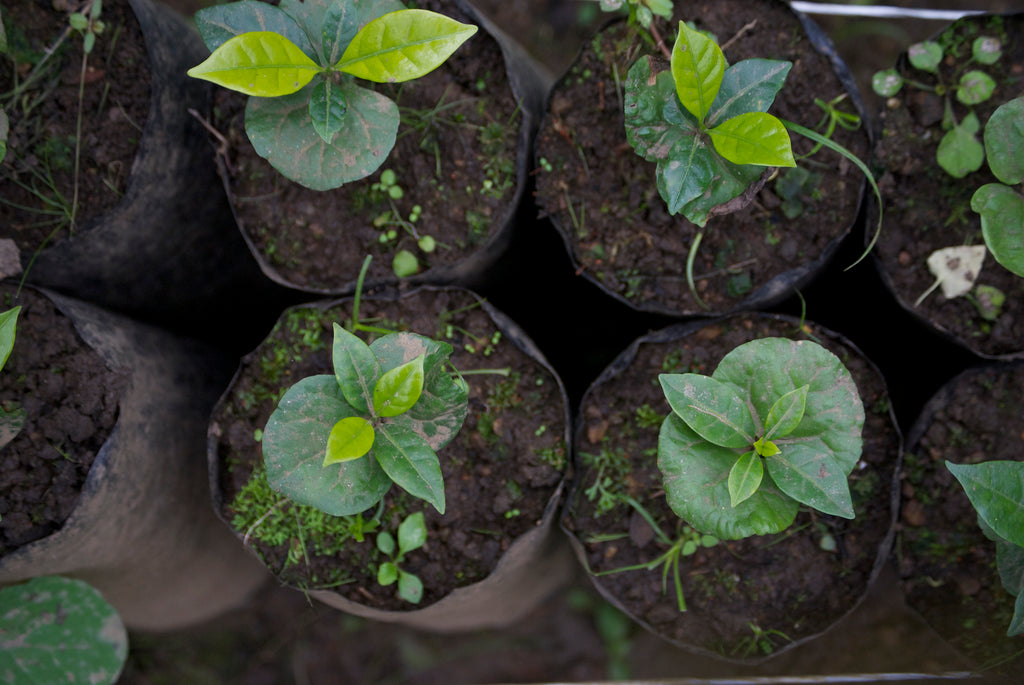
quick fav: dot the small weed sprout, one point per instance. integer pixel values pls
(299, 61)
(412, 534)
(12, 419)
(778, 424)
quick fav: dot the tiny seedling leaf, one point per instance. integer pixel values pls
(753, 138)
(386, 542)
(261, 63)
(960, 152)
(886, 83)
(412, 533)
(387, 573)
(1004, 141)
(986, 49)
(403, 45)
(409, 462)
(327, 107)
(351, 438)
(786, 413)
(996, 491)
(218, 24)
(1002, 224)
(745, 477)
(698, 67)
(925, 56)
(8, 331)
(355, 368)
(410, 587)
(714, 410)
(975, 87)
(399, 388)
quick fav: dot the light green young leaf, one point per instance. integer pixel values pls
(714, 410)
(986, 49)
(1004, 141)
(960, 152)
(409, 462)
(399, 388)
(403, 45)
(697, 66)
(218, 24)
(745, 477)
(975, 87)
(996, 491)
(887, 82)
(387, 573)
(412, 533)
(925, 56)
(386, 542)
(754, 138)
(351, 438)
(786, 413)
(355, 368)
(327, 107)
(410, 587)
(261, 63)
(1002, 224)
(8, 330)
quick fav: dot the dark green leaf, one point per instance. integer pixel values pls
(1002, 223)
(996, 491)
(714, 410)
(745, 477)
(280, 132)
(1004, 142)
(809, 472)
(698, 67)
(412, 533)
(8, 331)
(351, 438)
(218, 24)
(748, 86)
(11, 423)
(294, 445)
(355, 368)
(409, 462)
(327, 107)
(399, 388)
(339, 28)
(312, 15)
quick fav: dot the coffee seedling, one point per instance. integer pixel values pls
(412, 534)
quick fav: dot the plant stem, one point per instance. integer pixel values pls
(78, 141)
(690, 258)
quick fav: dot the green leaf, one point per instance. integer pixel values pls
(59, 630)
(410, 587)
(1010, 561)
(698, 67)
(408, 461)
(260, 63)
(327, 107)
(339, 28)
(1002, 224)
(786, 413)
(1004, 141)
(403, 45)
(925, 56)
(281, 133)
(996, 491)
(351, 438)
(5, 125)
(808, 472)
(387, 573)
(386, 542)
(695, 475)
(959, 152)
(399, 388)
(8, 330)
(748, 86)
(1017, 624)
(11, 423)
(412, 533)
(313, 16)
(294, 444)
(355, 368)
(753, 138)
(218, 24)
(3, 39)
(975, 87)
(713, 409)
(886, 83)
(986, 49)
(745, 477)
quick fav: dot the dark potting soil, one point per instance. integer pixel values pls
(926, 209)
(786, 582)
(947, 565)
(500, 471)
(37, 177)
(604, 196)
(70, 399)
(455, 158)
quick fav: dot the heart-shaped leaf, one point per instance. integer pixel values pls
(1002, 224)
(748, 86)
(408, 461)
(960, 153)
(1004, 142)
(698, 67)
(355, 368)
(261, 63)
(996, 491)
(745, 477)
(925, 56)
(399, 388)
(327, 107)
(754, 138)
(714, 410)
(351, 438)
(280, 133)
(218, 24)
(403, 45)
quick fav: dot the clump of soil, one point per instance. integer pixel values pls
(500, 472)
(70, 399)
(37, 178)
(947, 565)
(603, 197)
(926, 209)
(455, 159)
(785, 582)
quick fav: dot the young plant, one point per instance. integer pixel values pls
(338, 442)
(59, 630)
(778, 424)
(308, 117)
(412, 534)
(640, 11)
(11, 420)
(996, 491)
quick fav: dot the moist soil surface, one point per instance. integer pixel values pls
(70, 399)
(603, 198)
(785, 582)
(926, 209)
(500, 471)
(455, 159)
(946, 564)
(37, 178)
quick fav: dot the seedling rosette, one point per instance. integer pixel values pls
(778, 424)
(307, 115)
(338, 442)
